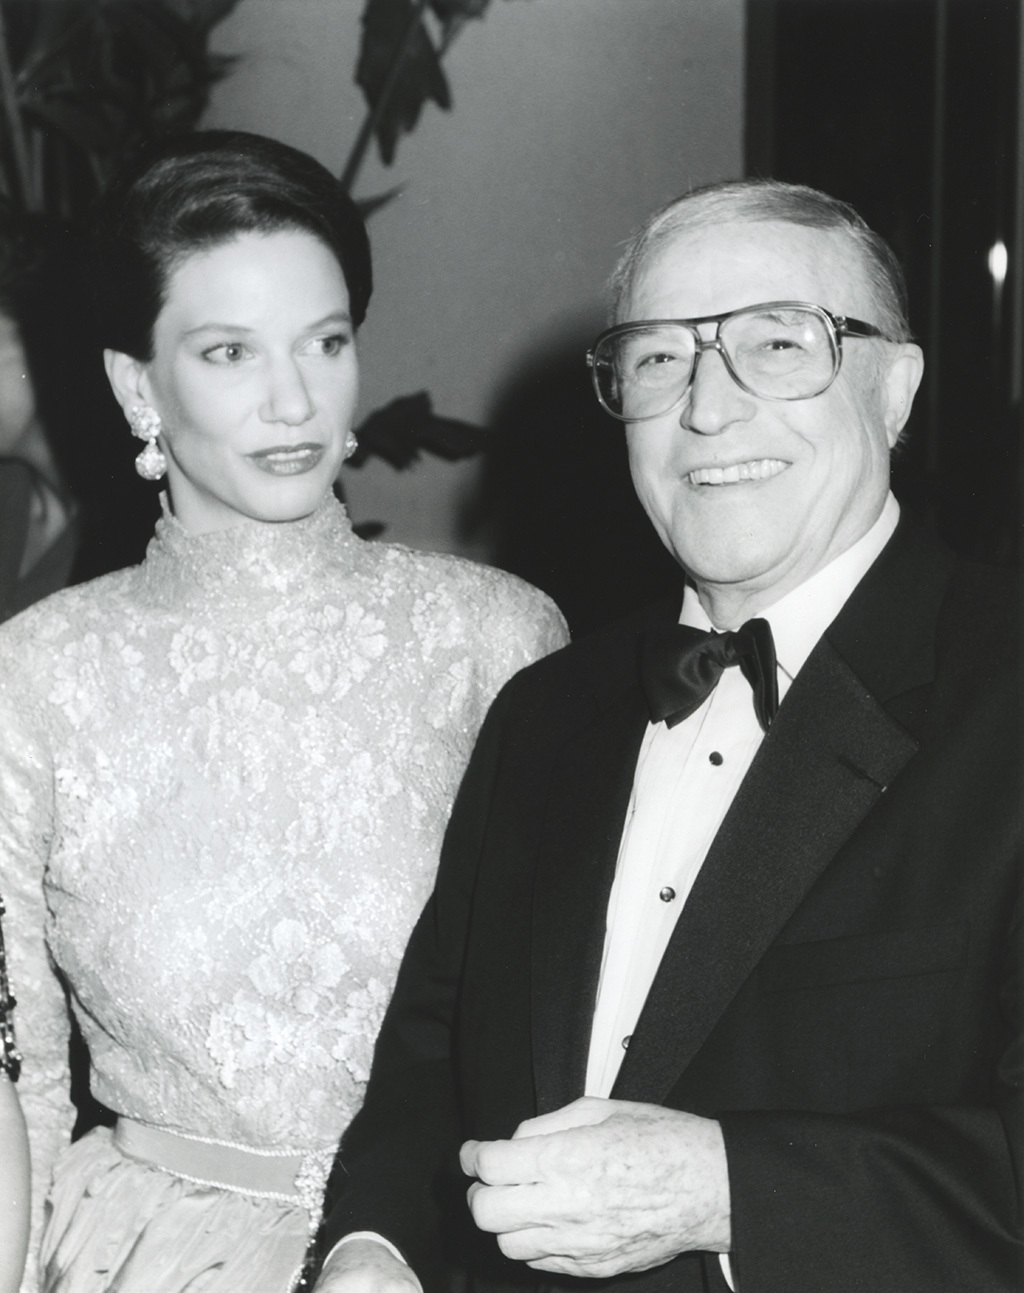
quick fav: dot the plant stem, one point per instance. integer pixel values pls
(362, 140)
(9, 99)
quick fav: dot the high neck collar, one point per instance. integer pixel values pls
(245, 560)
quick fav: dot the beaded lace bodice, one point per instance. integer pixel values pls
(231, 768)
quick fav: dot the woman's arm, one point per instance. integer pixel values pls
(15, 1168)
(26, 828)
(15, 1185)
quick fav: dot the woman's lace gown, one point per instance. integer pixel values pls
(224, 779)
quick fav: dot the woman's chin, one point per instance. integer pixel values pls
(291, 498)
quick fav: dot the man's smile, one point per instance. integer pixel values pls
(734, 473)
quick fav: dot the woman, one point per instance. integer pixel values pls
(231, 765)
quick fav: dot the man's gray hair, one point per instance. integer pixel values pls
(771, 200)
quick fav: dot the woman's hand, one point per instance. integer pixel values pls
(365, 1266)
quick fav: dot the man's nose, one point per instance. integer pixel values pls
(287, 397)
(714, 400)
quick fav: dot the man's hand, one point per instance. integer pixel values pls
(365, 1266)
(602, 1187)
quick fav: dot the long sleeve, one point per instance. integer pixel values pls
(26, 806)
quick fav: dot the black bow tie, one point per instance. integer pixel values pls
(680, 667)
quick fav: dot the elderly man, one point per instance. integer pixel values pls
(719, 986)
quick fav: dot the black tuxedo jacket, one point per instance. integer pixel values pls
(842, 989)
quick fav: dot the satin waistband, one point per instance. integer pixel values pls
(289, 1176)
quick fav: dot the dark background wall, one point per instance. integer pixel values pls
(911, 110)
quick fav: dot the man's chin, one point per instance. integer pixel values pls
(738, 568)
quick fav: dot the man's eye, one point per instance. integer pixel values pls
(654, 368)
(643, 361)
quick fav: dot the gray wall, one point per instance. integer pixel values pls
(572, 119)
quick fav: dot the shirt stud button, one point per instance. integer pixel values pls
(625, 1042)
(667, 894)
(715, 758)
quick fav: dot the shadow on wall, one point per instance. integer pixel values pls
(556, 503)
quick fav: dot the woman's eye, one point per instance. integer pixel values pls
(228, 352)
(331, 345)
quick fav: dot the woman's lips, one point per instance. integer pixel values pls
(288, 460)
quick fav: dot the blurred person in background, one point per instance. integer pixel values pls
(39, 531)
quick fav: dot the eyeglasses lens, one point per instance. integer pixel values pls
(784, 354)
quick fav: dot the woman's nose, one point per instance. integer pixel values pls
(287, 397)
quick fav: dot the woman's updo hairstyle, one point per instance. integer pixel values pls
(190, 193)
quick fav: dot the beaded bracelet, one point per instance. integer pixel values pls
(10, 1057)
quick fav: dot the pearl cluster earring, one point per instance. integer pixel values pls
(145, 423)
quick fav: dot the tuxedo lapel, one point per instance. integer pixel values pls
(828, 756)
(589, 794)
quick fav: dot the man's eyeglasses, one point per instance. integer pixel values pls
(781, 350)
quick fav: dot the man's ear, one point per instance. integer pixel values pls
(127, 377)
(900, 381)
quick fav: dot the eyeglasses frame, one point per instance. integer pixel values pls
(839, 325)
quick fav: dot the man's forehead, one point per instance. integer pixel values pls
(725, 266)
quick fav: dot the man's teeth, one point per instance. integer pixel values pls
(759, 469)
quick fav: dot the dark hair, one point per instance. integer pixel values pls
(191, 192)
(772, 200)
